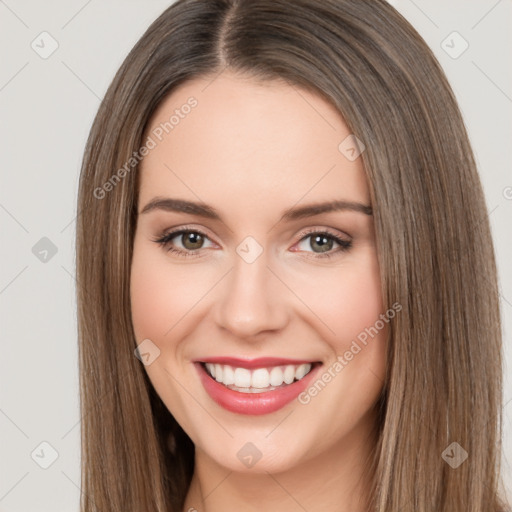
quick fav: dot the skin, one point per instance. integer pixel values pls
(252, 150)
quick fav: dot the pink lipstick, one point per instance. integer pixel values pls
(255, 386)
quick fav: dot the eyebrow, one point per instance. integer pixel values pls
(203, 210)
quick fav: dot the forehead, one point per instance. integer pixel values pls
(232, 138)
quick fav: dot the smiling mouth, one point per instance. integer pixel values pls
(257, 380)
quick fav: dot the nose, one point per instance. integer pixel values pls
(252, 300)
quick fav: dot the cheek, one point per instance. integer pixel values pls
(161, 293)
(345, 300)
(359, 303)
(151, 300)
(353, 379)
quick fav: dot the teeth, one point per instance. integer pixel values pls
(218, 372)
(289, 374)
(228, 376)
(276, 376)
(259, 379)
(211, 369)
(301, 371)
(242, 378)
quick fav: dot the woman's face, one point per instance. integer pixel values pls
(262, 295)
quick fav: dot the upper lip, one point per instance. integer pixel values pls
(259, 362)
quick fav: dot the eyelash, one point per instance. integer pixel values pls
(164, 241)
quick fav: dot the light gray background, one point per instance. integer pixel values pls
(47, 107)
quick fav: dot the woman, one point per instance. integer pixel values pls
(288, 291)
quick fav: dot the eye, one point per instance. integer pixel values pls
(191, 241)
(188, 242)
(322, 242)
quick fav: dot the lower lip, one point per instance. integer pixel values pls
(253, 403)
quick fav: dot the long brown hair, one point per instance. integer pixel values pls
(444, 377)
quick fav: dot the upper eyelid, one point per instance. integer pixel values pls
(174, 232)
